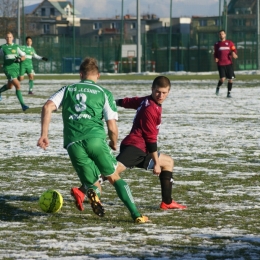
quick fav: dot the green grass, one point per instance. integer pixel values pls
(216, 153)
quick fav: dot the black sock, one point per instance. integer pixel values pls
(166, 186)
(229, 86)
(219, 83)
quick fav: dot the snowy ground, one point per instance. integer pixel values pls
(215, 142)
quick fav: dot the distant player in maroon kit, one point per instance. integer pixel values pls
(224, 51)
(139, 147)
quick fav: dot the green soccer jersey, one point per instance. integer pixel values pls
(30, 53)
(10, 52)
(84, 105)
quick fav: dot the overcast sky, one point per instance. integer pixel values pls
(110, 8)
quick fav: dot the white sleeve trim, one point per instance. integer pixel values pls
(108, 112)
(58, 97)
(36, 56)
(20, 52)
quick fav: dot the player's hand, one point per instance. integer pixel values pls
(234, 55)
(43, 142)
(157, 169)
(216, 59)
(45, 59)
(17, 59)
(112, 145)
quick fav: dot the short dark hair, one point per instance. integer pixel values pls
(222, 30)
(162, 82)
(28, 37)
(89, 66)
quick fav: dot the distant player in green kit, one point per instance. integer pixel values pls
(27, 65)
(84, 105)
(12, 57)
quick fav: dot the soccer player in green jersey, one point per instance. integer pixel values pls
(12, 57)
(27, 66)
(84, 105)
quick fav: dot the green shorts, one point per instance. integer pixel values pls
(26, 69)
(90, 158)
(12, 73)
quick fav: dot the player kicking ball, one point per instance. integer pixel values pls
(84, 105)
(139, 148)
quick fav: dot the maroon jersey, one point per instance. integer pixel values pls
(223, 50)
(146, 123)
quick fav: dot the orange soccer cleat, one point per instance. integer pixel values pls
(79, 197)
(173, 205)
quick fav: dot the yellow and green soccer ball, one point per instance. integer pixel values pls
(51, 201)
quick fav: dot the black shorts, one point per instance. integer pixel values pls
(226, 71)
(131, 156)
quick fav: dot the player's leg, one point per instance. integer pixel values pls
(166, 180)
(21, 71)
(6, 86)
(110, 168)
(230, 76)
(221, 72)
(31, 82)
(88, 174)
(18, 93)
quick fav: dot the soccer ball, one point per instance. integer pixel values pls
(51, 201)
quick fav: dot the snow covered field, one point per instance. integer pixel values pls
(215, 143)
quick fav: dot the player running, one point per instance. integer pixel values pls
(12, 57)
(27, 65)
(84, 105)
(224, 51)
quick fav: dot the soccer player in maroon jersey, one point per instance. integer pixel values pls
(139, 147)
(224, 51)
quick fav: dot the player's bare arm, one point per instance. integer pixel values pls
(47, 109)
(112, 133)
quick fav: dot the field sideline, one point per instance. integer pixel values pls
(240, 75)
(215, 143)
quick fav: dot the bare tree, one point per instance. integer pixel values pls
(8, 8)
(8, 16)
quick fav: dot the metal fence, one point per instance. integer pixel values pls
(194, 54)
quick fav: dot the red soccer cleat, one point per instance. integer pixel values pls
(173, 205)
(79, 197)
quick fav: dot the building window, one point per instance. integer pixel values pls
(97, 26)
(46, 28)
(217, 22)
(43, 12)
(132, 26)
(203, 23)
(240, 22)
(67, 11)
(52, 11)
(113, 25)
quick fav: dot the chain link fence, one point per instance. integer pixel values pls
(185, 54)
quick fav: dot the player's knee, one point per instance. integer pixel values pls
(168, 163)
(113, 178)
(171, 162)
